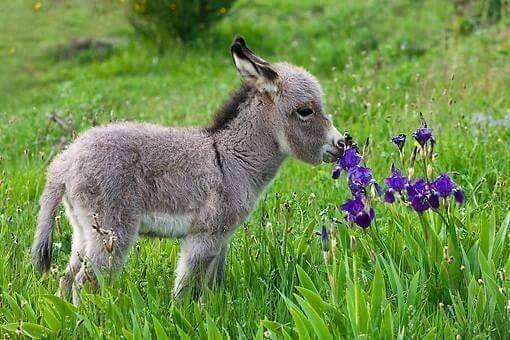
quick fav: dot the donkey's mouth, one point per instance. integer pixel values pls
(330, 156)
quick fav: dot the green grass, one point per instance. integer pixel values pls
(380, 63)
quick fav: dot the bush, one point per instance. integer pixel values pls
(184, 19)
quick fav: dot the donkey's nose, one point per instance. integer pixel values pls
(339, 142)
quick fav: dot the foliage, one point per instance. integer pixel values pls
(385, 282)
(184, 19)
(472, 14)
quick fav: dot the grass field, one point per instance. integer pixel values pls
(380, 63)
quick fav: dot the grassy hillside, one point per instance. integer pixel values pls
(380, 63)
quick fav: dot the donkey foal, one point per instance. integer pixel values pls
(125, 179)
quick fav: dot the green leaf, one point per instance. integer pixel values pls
(396, 284)
(260, 332)
(315, 300)
(146, 330)
(213, 333)
(136, 297)
(62, 307)
(318, 324)
(128, 334)
(182, 334)
(305, 280)
(413, 290)
(387, 323)
(431, 334)
(181, 321)
(487, 234)
(378, 292)
(299, 321)
(32, 330)
(501, 237)
(272, 326)
(362, 314)
(49, 317)
(13, 306)
(158, 329)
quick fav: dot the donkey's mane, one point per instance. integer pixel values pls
(230, 109)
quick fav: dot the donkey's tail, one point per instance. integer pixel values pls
(43, 240)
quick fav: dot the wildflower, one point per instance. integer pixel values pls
(417, 194)
(349, 159)
(359, 177)
(434, 200)
(349, 141)
(396, 181)
(443, 185)
(458, 194)
(399, 140)
(419, 187)
(325, 240)
(422, 136)
(336, 172)
(389, 196)
(358, 212)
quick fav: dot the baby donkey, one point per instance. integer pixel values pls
(126, 179)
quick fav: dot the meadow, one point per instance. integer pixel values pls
(380, 64)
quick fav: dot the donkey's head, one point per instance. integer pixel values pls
(293, 100)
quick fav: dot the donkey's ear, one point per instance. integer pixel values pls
(251, 67)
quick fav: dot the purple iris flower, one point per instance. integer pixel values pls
(422, 135)
(349, 159)
(354, 206)
(458, 194)
(420, 203)
(357, 212)
(399, 140)
(365, 218)
(396, 181)
(336, 172)
(443, 185)
(434, 200)
(325, 242)
(359, 177)
(389, 196)
(419, 187)
(417, 194)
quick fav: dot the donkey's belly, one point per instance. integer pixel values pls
(165, 225)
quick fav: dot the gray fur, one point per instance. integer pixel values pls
(197, 184)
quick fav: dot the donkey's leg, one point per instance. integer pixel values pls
(218, 274)
(77, 249)
(200, 258)
(108, 244)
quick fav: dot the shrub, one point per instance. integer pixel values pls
(184, 19)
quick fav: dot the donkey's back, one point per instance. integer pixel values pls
(140, 167)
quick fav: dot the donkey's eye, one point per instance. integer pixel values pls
(304, 112)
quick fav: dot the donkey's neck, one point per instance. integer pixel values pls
(247, 152)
